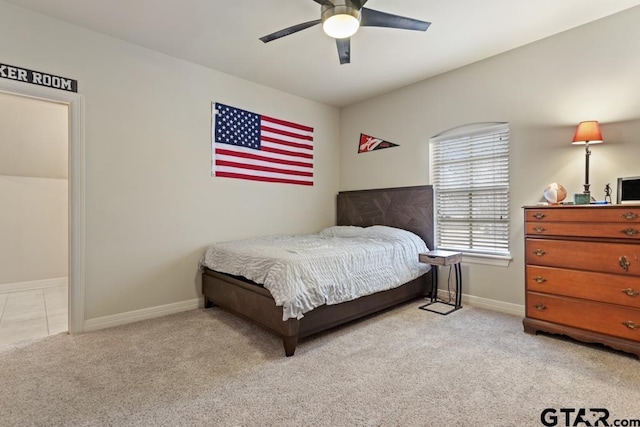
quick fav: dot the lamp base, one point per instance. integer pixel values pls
(586, 173)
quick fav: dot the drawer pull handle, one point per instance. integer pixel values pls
(539, 252)
(631, 325)
(540, 307)
(630, 216)
(539, 215)
(539, 229)
(631, 292)
(541, 279)
(630, 231)
(624, 263)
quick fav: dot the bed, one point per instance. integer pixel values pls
(406, 208)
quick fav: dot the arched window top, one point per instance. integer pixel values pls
(469, 129)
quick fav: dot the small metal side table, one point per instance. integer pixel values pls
(436, 258)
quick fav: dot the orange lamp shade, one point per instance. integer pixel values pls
(588, 133)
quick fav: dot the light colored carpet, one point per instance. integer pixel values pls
(405, 367)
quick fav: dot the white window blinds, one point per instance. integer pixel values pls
(470, 174)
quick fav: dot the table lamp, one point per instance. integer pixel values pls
(587, 133)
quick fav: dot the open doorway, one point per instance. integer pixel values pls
(34, 189)
(75, 195)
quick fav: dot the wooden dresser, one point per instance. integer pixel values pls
(583, 273)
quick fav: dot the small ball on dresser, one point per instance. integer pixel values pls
(555, 193)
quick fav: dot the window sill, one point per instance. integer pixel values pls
(484, 259)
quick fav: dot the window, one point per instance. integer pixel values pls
(470, 175)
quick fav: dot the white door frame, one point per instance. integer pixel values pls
(75, 102)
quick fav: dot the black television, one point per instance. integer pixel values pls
(629, 190)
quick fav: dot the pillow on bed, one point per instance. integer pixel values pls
(342, 231)
(385, 230)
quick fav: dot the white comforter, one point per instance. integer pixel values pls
(336, 265)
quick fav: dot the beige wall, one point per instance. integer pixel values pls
(543, 90)
(33, 189)
(152, 206)
(151, 203)
(33, 137)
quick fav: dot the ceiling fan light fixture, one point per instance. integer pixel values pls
(340, 22)
(341, 19)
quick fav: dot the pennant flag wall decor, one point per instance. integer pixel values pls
(260, 148)
(370, 143)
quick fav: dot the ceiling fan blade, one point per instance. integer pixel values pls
(359, 3)
(344, 50)
(290, 30)
(324, 2)
(374, 18)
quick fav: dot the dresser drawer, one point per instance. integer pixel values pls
(622, 214)
(618, 258)
(605, 318)
(611, 288)
(611, 230)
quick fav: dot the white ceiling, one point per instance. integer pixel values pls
(223, 35)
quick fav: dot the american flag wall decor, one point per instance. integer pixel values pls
(371, 143)
(260, 148)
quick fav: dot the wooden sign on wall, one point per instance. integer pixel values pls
(37, 78)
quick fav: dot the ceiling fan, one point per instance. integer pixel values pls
(341, 19)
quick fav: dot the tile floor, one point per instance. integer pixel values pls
(34, 313)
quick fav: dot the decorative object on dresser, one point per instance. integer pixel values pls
(555, 193)
(587, 133)
(581, 199)
(452, 259)
(607, 193)
(583, 273)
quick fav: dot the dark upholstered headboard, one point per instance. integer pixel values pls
(409, 208)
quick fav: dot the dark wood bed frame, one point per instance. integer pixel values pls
(409, 208)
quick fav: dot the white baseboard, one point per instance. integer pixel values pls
(33, 284)
(143, 314)
(489, 304)
(164, 310)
